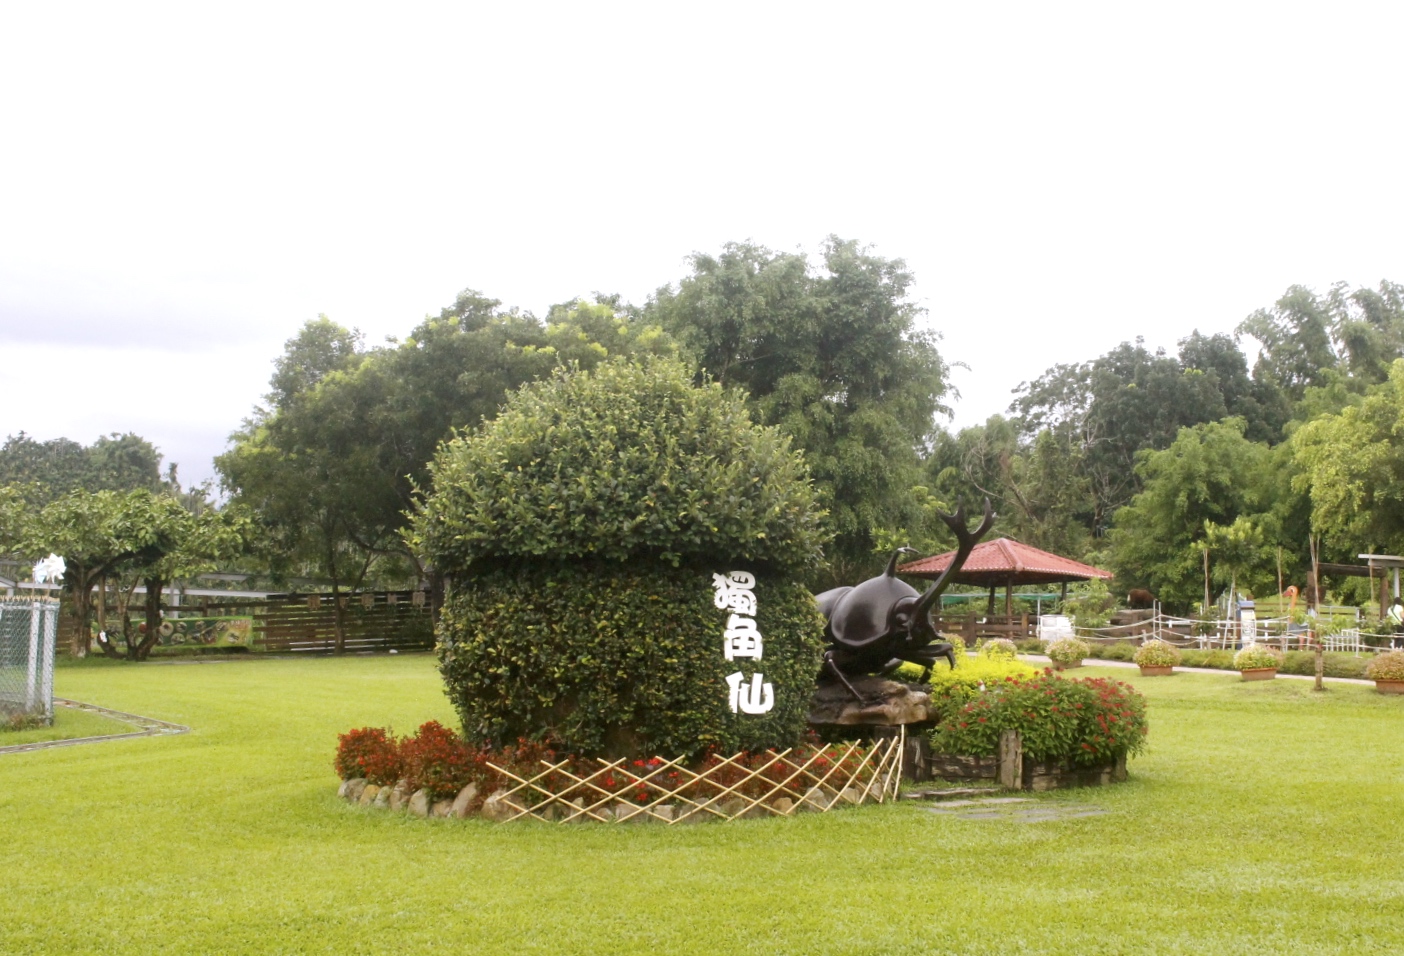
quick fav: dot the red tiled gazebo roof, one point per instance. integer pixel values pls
(1005, 561)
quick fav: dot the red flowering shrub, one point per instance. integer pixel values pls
(437, 760)
(369, 752)
(1083, 721)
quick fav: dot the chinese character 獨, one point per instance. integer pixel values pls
(734, 591)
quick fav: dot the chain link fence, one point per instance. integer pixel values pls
(27, 630)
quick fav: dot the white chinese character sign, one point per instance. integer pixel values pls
(741, 639)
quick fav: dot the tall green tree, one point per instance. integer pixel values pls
(1113, 407)
(1210, 475)
(300, 468)
(52, 469)
(832, 354)
(1295, 336)
(1352, 465)
(332, 464)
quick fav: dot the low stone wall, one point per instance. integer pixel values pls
(1015, 771)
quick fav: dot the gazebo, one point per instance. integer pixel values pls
(1007, 562)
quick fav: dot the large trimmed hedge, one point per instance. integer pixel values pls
(621, 661)
(624, 463)
(580, 530)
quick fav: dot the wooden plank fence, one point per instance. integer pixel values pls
(295, 623)
(379, 621)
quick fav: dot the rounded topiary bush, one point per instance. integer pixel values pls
(1157, 653)
(999, 648)
(1386, 666)
(1256, 657)
(1068, 651)
(580, 531)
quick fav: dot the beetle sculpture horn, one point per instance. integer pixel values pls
(968, 539)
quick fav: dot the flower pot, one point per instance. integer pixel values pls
(1059, 666)
(1390, 686)
(1259, 673)
(1157, 670)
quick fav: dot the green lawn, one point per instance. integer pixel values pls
(1253, 825)
(68, 723)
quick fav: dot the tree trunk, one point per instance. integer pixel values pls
(338, 617)
(154, 587)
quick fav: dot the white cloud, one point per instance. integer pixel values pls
(194, 182)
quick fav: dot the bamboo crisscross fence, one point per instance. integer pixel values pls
(776, 783)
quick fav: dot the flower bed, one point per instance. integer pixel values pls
(1065, 727)
(444, 776)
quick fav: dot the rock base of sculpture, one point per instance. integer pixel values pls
(885, 703)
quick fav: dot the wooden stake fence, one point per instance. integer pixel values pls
(851, 772)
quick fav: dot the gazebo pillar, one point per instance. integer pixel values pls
(1063, 594)
(1008, 600)
(989, 609)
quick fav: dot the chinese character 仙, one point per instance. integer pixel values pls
(752, 698)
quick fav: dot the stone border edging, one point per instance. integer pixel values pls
(150, 727)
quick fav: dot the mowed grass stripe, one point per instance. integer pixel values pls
(1258, 822)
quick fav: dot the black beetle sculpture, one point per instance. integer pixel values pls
(876, 626)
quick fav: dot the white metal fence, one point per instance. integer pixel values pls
(27, 630)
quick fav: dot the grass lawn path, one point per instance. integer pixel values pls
(1261, 820)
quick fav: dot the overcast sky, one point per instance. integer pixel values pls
(183, 185)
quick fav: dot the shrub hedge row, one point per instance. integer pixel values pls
(624, 663)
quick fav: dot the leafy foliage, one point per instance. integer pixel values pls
(1210, 477)
(371, 753)
(832, 356)
(1386, 666)
(953, 689)
(1156, 653)
(1090, 603)
(1067, 650)
(1352, 466)
(999, 648)
(1081, 721)
(1256, 656)
(620, 660)
(628, 463)
(52, 469)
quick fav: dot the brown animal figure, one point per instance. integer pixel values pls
(1140, 598)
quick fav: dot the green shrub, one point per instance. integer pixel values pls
(1067, 650)
(953, 689)
(1155, 653)
(999, 647)
(1215, 659)
(1386, 666)
(1257, 655)
(623, 663)
(622, 464)
(1090, 604)
(1120, 651)
(1332, 665)
(582, 528)
(1081, 721)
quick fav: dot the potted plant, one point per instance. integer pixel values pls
(1157, 658)
(1387, 671)
(1067, 652)
(1000, 648)
(1257, 662)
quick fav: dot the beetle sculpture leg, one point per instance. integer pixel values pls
(832, 667)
